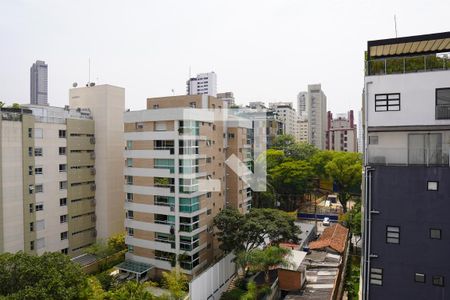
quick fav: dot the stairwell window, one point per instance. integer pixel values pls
(438, 280)
(392, 234)
(435, 234)
(432, 186)
(376, 276)
(419, 277)
(387, 102)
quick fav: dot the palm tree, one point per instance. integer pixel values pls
(264, 260)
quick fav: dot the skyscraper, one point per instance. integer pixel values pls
(316, 106)
(406, 126)
(203, 84)
(39, 83)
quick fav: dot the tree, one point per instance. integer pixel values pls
(176, 282)
(264, 259)
(319, 160)
(284, 141)
(49, 276)
(292, 179)
(15, 105)
(117, 242)
(131, 290)
(273, 158)
(346, 171)
(2, 104)
(252, 291)
(292, 149)
(239, 232)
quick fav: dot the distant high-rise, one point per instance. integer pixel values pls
(341, 133)
(302, 103)
(203, 84)
(39, 83)
(227, 97)
(316, 108)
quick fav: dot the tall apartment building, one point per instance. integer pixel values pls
(303, 129)
(107, 105)
(47, 194)
(313, 105)
(342, 133)
(39, 83)
(227, 97)
(287, 114)
(175, 148)
(406, 168)
(203, 84)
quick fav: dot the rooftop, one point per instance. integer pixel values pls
(334, 237)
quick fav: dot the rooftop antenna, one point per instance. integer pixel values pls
(395, 24)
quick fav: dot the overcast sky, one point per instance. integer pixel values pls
(261, 50)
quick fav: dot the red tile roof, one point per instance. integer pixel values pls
(334, 237)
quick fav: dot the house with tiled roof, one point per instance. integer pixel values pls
(333, 239)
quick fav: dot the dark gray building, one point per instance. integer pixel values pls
(406, 123)
(39, 83)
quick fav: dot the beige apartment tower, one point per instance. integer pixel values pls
(176, 181)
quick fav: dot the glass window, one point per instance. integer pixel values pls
(64, 235)
(435, 234)
(38, 151)
(62, 168)
(129, 162)
(39, 188)
(38, 170)
(63, 219)
(63, 185)
(63, 202)
(432, 185)
(438, 280)
(62, 150)
(392, 234)
(376, 276)
(39, 206)
(62, 134)
(419, 277)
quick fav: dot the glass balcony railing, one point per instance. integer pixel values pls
(189, 227)
(410, 64)
(437, 156)
(190, 265)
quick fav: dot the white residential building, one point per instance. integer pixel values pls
(314, 102)
(203, 84)
(287, 114)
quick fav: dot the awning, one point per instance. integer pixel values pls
(134, 267)
(411, 45)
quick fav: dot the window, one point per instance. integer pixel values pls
(64, 235)
(38, 170)
(63, 202)
(139, 125)
(32, 245)
(129, 197)
(160, 126)
(129, 180)
(38, 133)
(392, 234)
(62, 134)
(40, 225)
(208, 160)
(31, 206)
(208, 195)
(432, 185)
(63, 185)
(30, 189)
(38, 151)
(387, 102)
(62, 168)
(129, 162)
(376, 276)
(39, 206)
(192, 104)
(435, 234)
(208, 212)
(63, 219)
(62, 150)
(30, 132)
(443, 104)
(130, 214)
(426, 148)
(65, 250)
(130, 249)
(31, 226)
(130, 231)
(30, 151)
(129, 145)
(155, 106)
(438, 280)
(39, 188)
(30, 170)
(419, 277)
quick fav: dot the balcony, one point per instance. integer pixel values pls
(438, 156)
(407, 64)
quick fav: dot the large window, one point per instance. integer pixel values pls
(425, 149)
(443, 104)
(161, 163)
(189, 205)
(387, 102)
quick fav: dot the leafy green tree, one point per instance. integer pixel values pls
(239, 232)
(252, 291)
(15, 105)
(176, 282)
(283, 142)
(319, 160)
(345, 169)
(273, 158)
(49, 276)
(117, 242)
(292, 149)
(2, 104)
(264, 259)
(292, 179)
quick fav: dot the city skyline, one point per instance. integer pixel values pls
(250, 52)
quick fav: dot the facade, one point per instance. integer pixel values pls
(107, 104)
(287, 114)
(203, 84)
(360, 132)
(312, 107)
(341, 134)
(303, 129)
(227, 98)
(39, 83)
(47, 196)
(406, 168)
(176, 180)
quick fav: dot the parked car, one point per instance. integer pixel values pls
(326, 221)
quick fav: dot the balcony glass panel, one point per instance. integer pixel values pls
(189, 205)
(165, 164)
(189, 128)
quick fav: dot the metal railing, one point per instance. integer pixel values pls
(407, 64)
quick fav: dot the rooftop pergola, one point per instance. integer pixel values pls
(138, 268)
(411, 45)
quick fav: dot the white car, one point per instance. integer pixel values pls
(326, 221)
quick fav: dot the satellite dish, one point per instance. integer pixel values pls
(74, 84)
